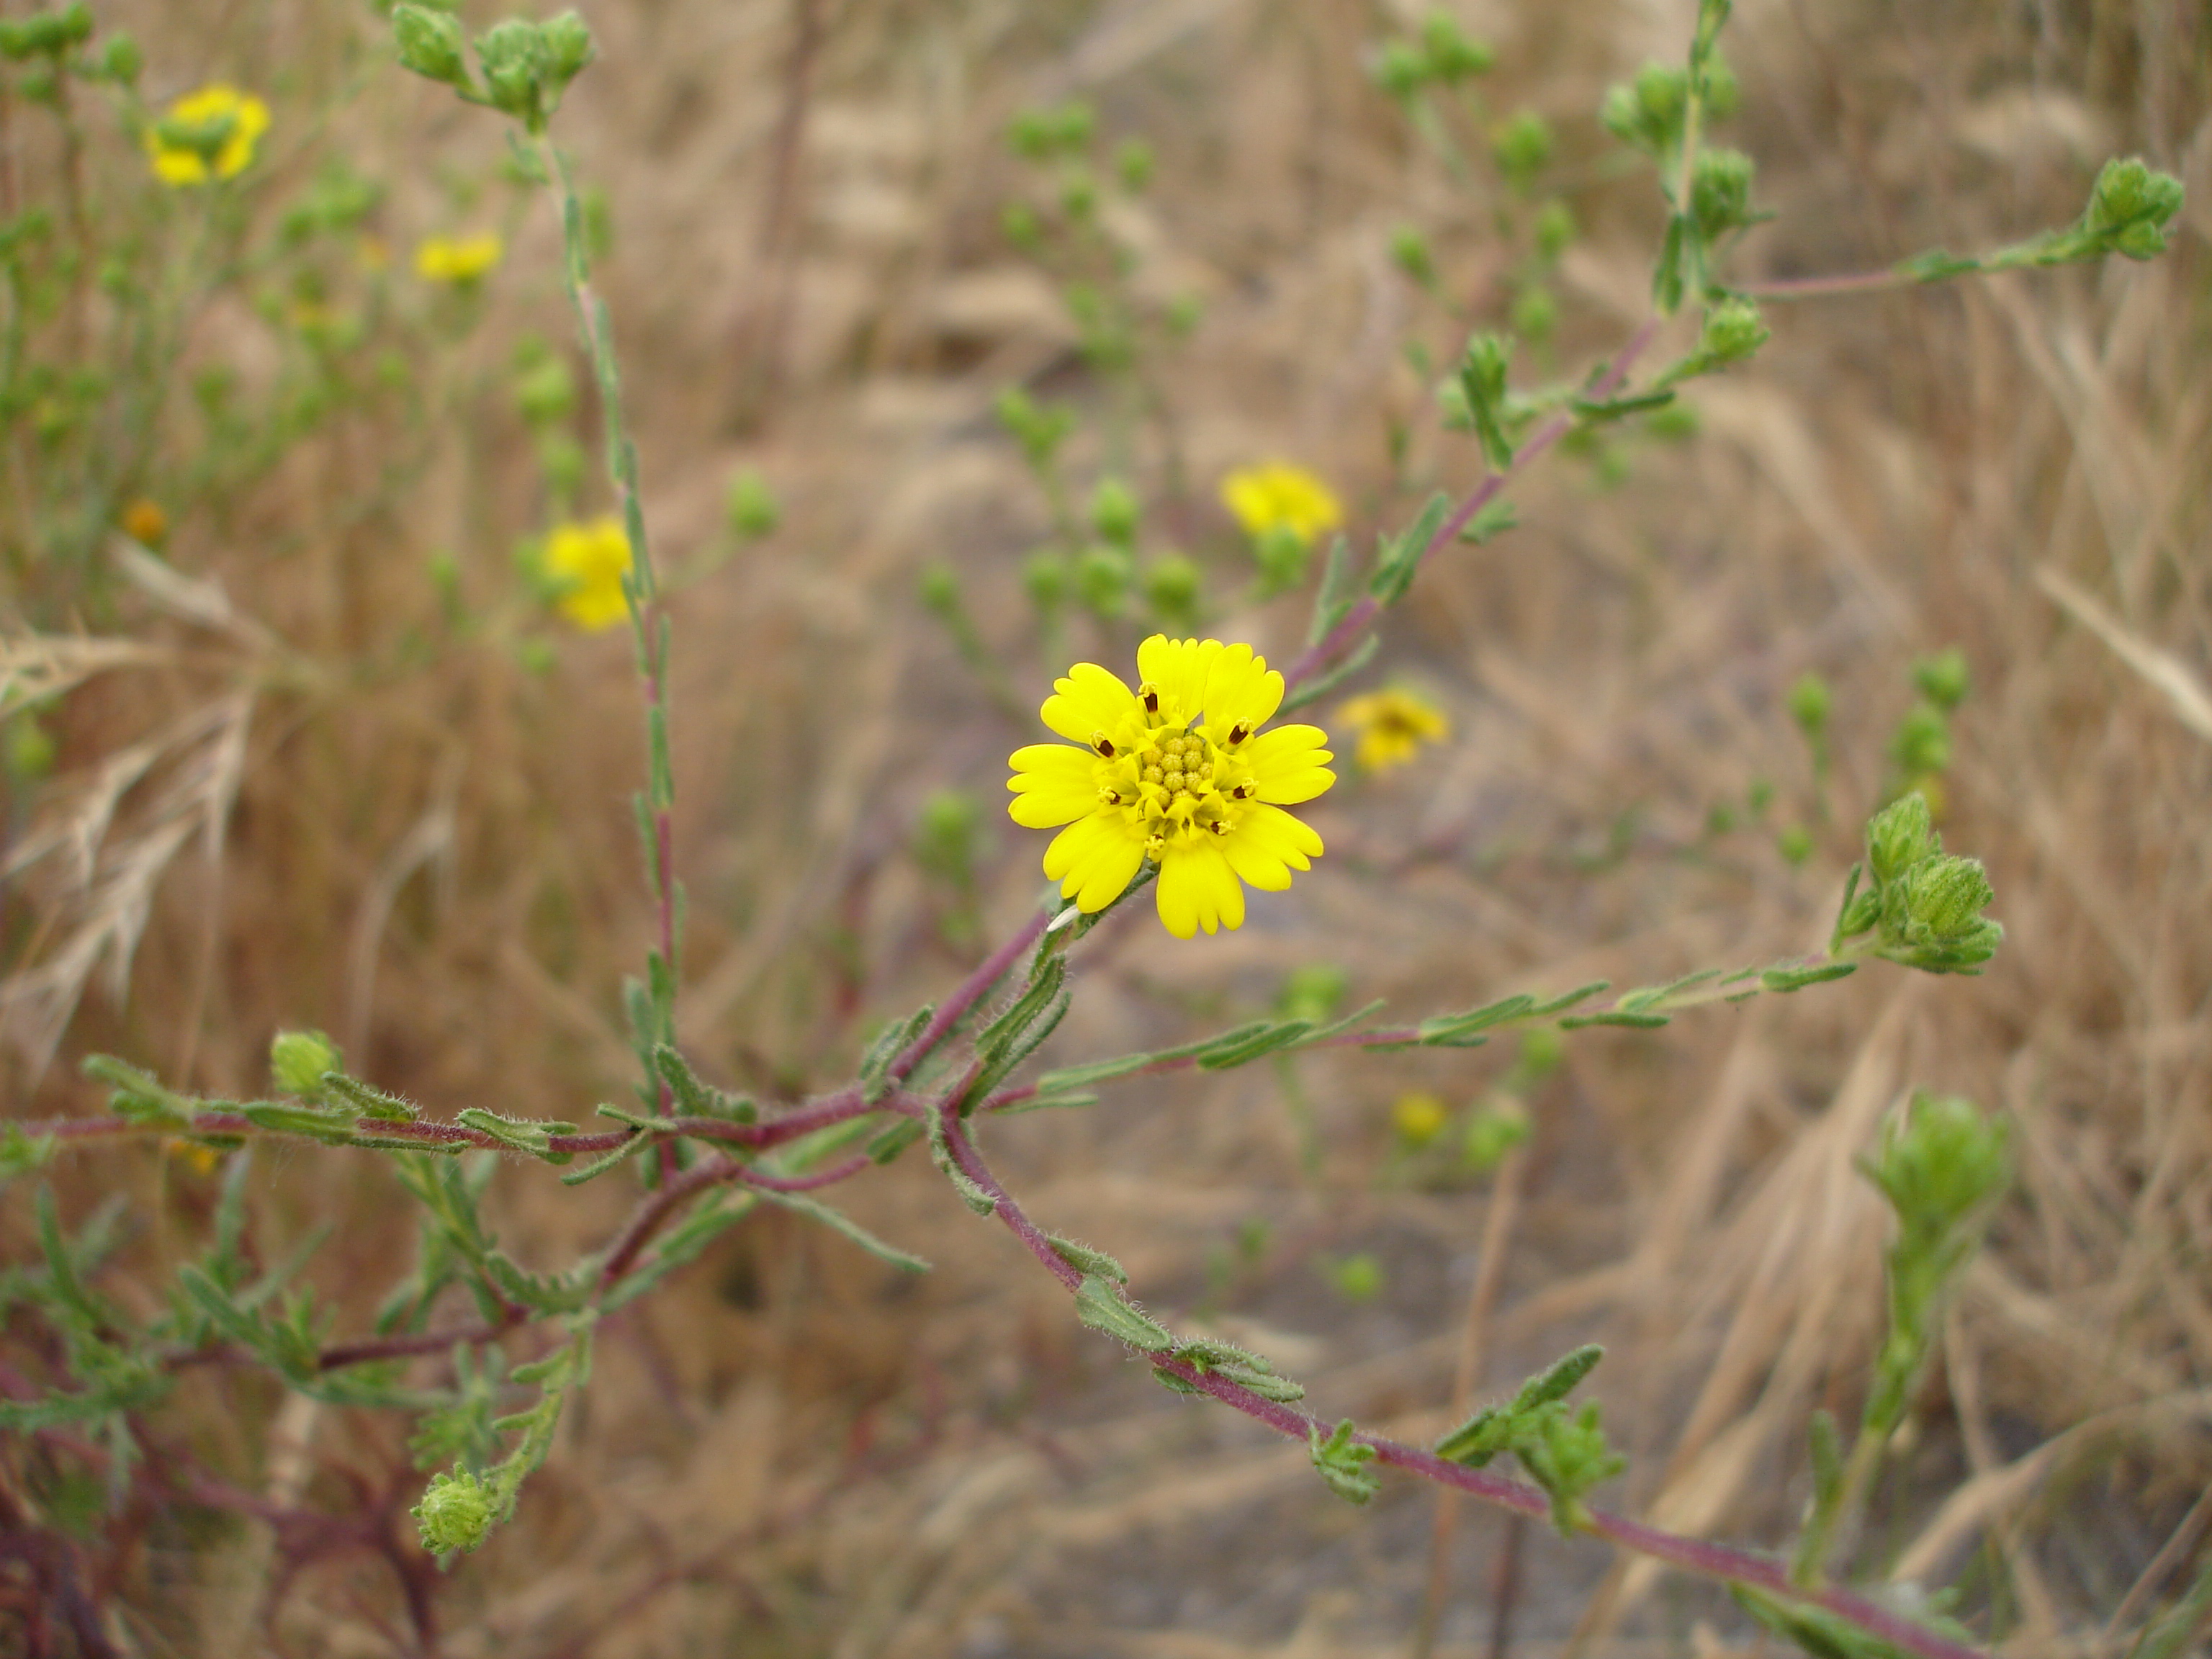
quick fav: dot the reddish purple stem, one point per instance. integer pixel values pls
(1355, 621)
(1691, 1554)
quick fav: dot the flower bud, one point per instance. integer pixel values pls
(1114, 512)
(1899, 836)
(297, 1060)
(568, 49)
(120, 60)
(1103, 577)
(1947, 895)
(1409, 252)
(429, 43)
(515, 61)
(1733, 332)
(1922, 745)
(1809, 702)
(751, 507)
(1045, 580)
(1720, 190)
(1172, 583)
(1943, 678)
(1522, 148)
(455, 1513)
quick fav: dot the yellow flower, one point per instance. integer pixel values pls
(1418, 1117)
(1392, 727)
(200, 1157)
(145, 522)
(458, 259)
(1276, 495)
(207, 134)
(589, 563)
(1177, 774)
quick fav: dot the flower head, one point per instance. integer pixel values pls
(1276, 497)
(459, 260)
(145, 522)
(588, 563)
(1177, 774)
(208, 134)
(1391, 726)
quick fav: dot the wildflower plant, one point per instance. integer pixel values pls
(1182, 783)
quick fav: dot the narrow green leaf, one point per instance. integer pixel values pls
(1101, 1306)
(838, 1222)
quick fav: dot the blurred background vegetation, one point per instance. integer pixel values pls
(320, 745)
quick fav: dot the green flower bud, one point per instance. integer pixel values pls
(1400, 68)
(1018, 220)
(1535, 314)
(1720, 190)
(546, 392)
(1922, 744)
(940, 589)
(1648, 113)
(77, 23)
(120, 60)
(1030, 134)
(1114, 512)
(1045, 579)
(1078, 196)
(2133, 203)
(1284, 557)
(751, 507)
(429, 43)
(1409, 252)
(1733, 332)
(1102, 579)
(1522, 148)
(1899, 836)
(1555, 228)
(563, 461)
(1133, 165)
(1947, 895)
(1940, 1161)
(1794, 844)
(944, 836)
(1172, 584)
(1493, 1131)
(1073, 124)
(1943, 678)
(454, 1514)
(297, 1060)
(1312, 991)
(568, 50)
(1453, 55)
(515, 63)
(1808, 704)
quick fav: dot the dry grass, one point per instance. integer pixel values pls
(786, 1453)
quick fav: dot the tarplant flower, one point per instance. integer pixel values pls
(1276, 498)
(1391, 726)
(459, 260)
(208, 134)
(588, 563)
(1177, 774)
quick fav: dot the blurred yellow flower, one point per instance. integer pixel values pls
(203, 1158)
(1418, 1117)
(210, 133)
(1275, 496)
(588, 563)
(1391, 726)
(145, 522)
(458, 259)
(1177, 774)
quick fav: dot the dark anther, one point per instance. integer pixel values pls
(1103, 743)
(1152, 697)
(1238, 732)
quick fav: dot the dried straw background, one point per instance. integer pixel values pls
(787, 1452)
